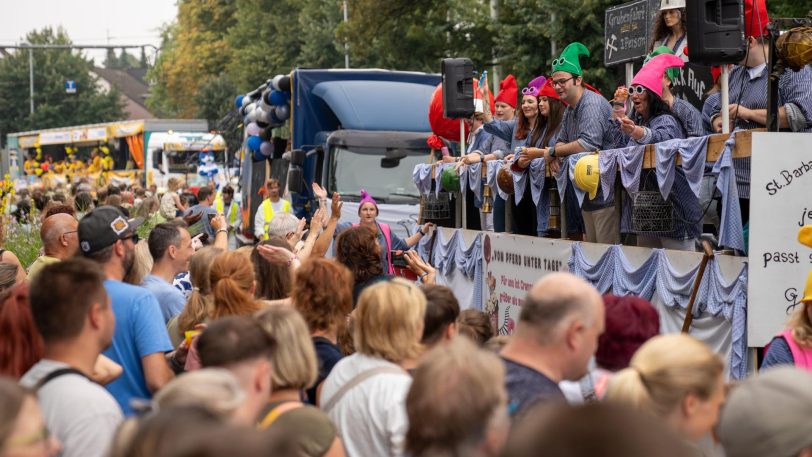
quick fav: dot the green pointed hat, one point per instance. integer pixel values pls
(569, 59)
(672, 73)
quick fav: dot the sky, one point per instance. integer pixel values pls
(96, 22)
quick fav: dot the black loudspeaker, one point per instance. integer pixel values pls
(715, 31)
(458, 88)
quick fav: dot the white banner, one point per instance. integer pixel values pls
(55, 137)
(511, 264)
(780, 204)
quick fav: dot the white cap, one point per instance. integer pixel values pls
(671, 4)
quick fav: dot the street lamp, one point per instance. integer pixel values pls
(30, 72)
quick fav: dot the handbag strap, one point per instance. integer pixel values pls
(358, 379)
(274, 414)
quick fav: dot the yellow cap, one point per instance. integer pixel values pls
(588, 175)
(808, 289)
(805, 235)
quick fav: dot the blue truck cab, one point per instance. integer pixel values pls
(354, 129)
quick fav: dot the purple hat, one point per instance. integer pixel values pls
(534, 87)
(366, 198)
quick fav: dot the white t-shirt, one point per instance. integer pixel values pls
(371, 417)
(80, 413)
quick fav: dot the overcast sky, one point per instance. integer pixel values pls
(89, 21)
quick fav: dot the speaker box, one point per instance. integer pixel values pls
(715, 31)
(458, 88)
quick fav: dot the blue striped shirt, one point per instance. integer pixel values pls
(751, 92)
(589, 123)
(689, 117)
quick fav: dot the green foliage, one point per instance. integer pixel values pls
(788, 8)
(23, 238)
(53, 107)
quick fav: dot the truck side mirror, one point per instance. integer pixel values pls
(296, 179)
(297, 158)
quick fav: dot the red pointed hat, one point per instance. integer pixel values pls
(755, 18)
(508, 91)
(548, 91)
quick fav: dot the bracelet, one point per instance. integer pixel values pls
(421, 232)
(220, 230)
(552, 151)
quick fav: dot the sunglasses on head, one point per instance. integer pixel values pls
(133, 237)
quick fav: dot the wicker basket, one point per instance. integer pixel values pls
(651, 214)
(436, 206)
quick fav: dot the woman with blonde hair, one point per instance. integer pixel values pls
(142, 264)
(294, 370)
(215, 389)
(793, 346)
(232, 286)
(677, 378)
(365, 394)
(199, 302)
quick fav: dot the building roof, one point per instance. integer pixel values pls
(134, 90)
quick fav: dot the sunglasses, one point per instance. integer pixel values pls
(561, 61)
(561, 82)
(133, 237)
(532, 91)
(637, 89)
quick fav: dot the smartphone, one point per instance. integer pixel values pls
(398, 260)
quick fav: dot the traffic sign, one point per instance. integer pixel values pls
(70, 86)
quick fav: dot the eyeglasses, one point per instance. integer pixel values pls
(637, 89)
(69, 231)
(561, 82)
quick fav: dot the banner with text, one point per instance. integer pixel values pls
(511, 264)
(780, 204)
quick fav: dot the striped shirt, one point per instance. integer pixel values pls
(589, 123)
(687, 214)
(750, 91)
(689, 117)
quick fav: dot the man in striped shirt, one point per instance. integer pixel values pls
(585, 127)
(748, 94)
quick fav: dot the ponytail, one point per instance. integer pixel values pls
(232, 281)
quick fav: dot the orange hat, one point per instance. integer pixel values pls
(508, 91)
(755, 18)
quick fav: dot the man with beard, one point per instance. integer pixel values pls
(140, 340)
(73, 314)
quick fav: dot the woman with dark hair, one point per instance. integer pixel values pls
(526, 130)
(653, 122)
(273, 280)
(357, 248)
(671, 28)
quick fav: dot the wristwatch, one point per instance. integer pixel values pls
(552, 151)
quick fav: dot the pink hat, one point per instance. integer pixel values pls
(366, 198)
(534, 87)
(651, 75)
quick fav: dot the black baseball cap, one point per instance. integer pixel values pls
(103, 226)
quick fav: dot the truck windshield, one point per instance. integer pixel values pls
(386, 175)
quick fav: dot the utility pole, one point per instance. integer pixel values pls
(346, 46)
(31, 77)
(497, 69)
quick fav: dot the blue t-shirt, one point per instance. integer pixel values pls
(328, 354)
(397, 243)
(169, 298)
(140, 331)
(526, 386)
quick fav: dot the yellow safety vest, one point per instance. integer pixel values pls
(267, 212)
(232, 212)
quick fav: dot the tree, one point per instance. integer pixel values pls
(53, 106)
(193, 48)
